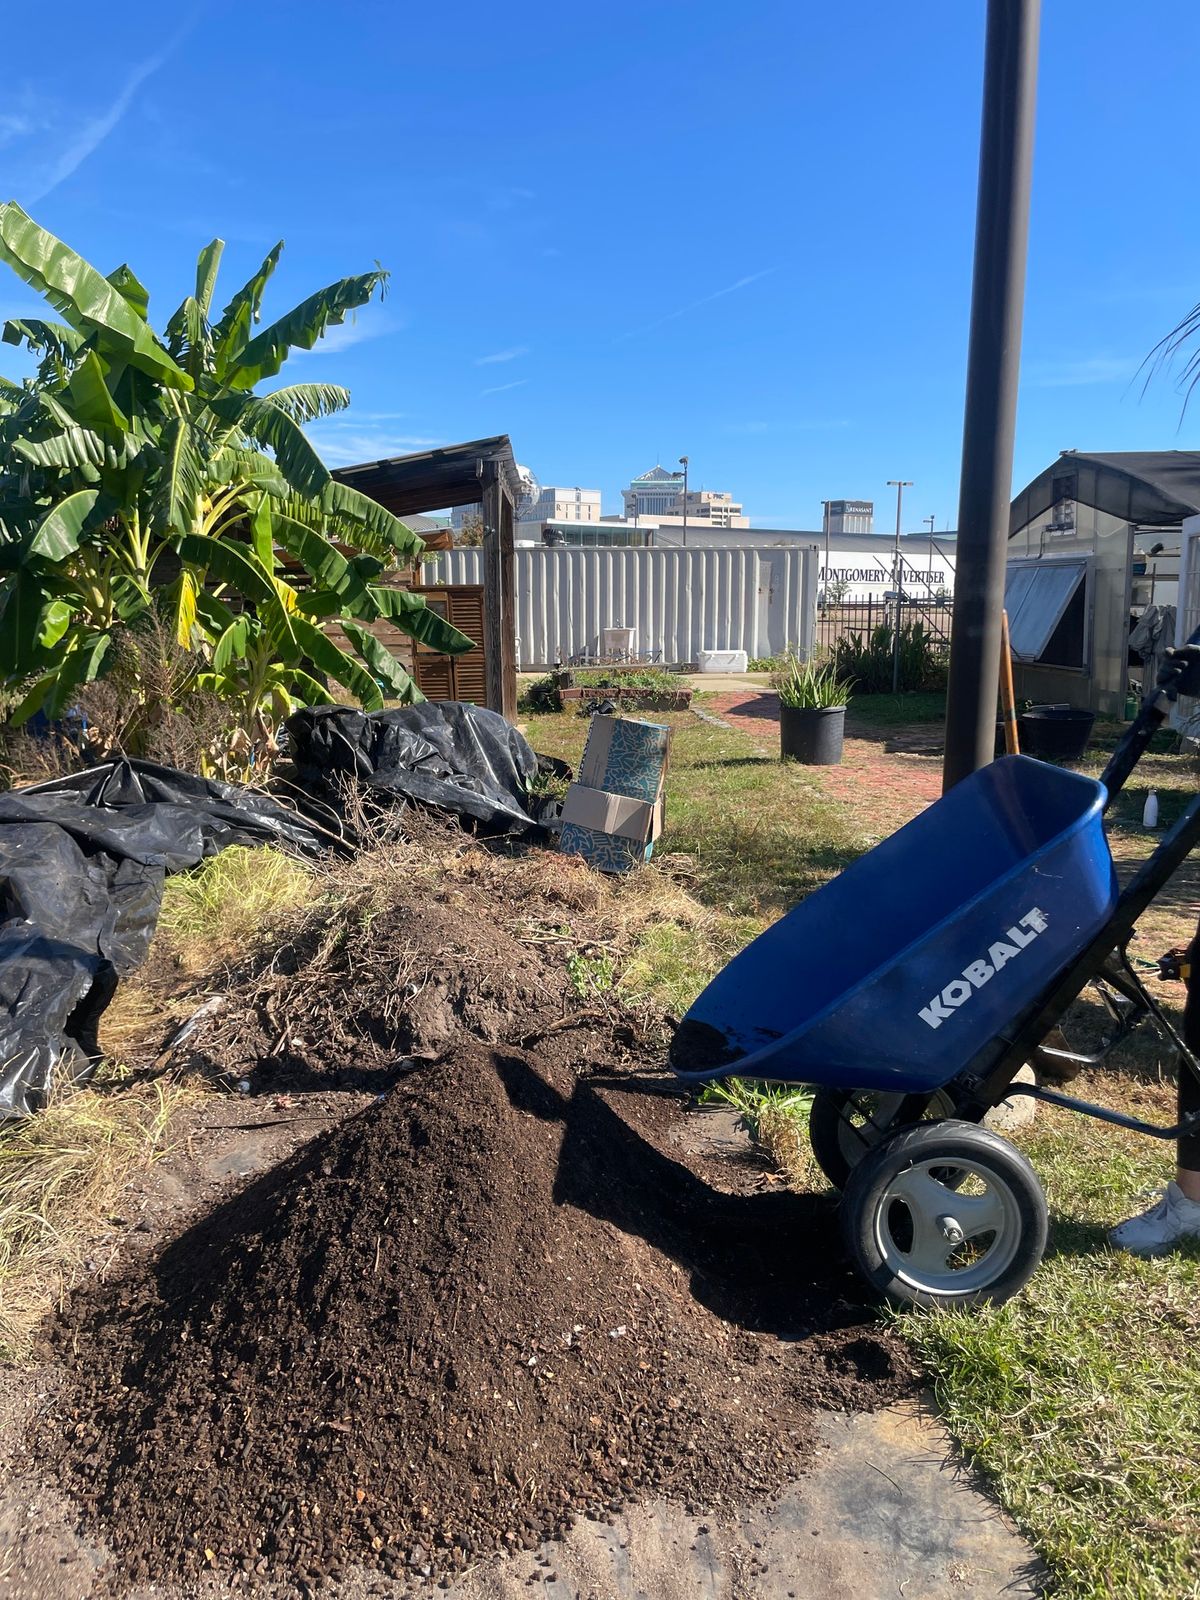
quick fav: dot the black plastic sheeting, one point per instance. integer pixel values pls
(83, 858)
(82, 862)
(444, 754)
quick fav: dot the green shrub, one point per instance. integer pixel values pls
(805, 686)
(864, 660)
(603, 678)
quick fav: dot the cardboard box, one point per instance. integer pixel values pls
(613, 812)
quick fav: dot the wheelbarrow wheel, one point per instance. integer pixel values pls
(948, 1214)
(843, 1124)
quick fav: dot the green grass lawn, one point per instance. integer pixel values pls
(1080, 1400)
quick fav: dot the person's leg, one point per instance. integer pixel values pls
(1187, 1175)
(1177, 1215)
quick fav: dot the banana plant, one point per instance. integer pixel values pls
(149, 476)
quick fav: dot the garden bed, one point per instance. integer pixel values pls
(643, 699)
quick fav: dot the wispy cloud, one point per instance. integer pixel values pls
(343, 336)
(1079, 373)
(15, 125)
(345, 441)
(499, 388)
(704, 300)
(88, 138)
(502, 355)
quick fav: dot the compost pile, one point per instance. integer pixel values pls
(494, 1299)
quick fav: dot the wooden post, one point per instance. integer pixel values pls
(1008, 699)
(499, 593)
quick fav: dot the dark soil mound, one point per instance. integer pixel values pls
(488, 1302)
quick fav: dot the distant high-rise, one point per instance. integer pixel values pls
(564, 505)
(653, 494)
(849, 516)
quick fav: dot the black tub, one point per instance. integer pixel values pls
(1055, 733)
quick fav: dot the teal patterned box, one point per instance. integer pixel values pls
(624, 760)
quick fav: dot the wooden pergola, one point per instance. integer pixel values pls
(483, 472)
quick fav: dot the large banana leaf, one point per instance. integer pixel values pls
(76, 450)
(206, 273)
(127, 284)
(82, 295)
(175, 501)
(188, 338)
(50, 338)
(303, 687)
(233, 463)
(347, 514)
(241, 569)
(233, 330)
(336, 664)
(300, 329)
(305, 402)
(59, 531)
(382, 663)
(412, 616)
(22, 623)
(268, 425)
(325, 564)
(92, 404)
(80, 665)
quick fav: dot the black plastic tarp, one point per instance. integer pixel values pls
(82, 862)
(454, 757)
(83, 858)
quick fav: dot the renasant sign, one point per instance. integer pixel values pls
(959, 990)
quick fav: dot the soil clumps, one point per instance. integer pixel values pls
(493, 1300)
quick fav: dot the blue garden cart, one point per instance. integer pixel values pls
(911, 989)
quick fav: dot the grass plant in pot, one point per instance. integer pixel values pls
(812, 711)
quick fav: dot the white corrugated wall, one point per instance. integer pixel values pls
(679, 601)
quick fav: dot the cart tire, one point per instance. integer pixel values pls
(924, 1242)
(843, 1124)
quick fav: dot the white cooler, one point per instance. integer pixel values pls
(721, 660)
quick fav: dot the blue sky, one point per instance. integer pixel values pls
(623, 233)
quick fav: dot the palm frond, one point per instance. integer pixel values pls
(1167, 351)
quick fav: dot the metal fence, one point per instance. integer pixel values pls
(836, 621)
(678, 602)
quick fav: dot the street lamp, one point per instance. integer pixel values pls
(899, 484)
(683, 462)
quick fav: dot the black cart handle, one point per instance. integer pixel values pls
(1180, 674)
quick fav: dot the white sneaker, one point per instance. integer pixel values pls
(1160, 1229)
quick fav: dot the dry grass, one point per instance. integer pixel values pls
(61, 1172)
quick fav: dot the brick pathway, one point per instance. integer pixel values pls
(887, 775)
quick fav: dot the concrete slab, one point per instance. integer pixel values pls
(886, 1514)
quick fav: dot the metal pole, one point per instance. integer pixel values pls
(683, 462)
(993, 363)
(899, 484)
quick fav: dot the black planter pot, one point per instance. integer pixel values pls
(1055, 733)
(812, 734)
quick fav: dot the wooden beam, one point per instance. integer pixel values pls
(493, 589)
(508, 590)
